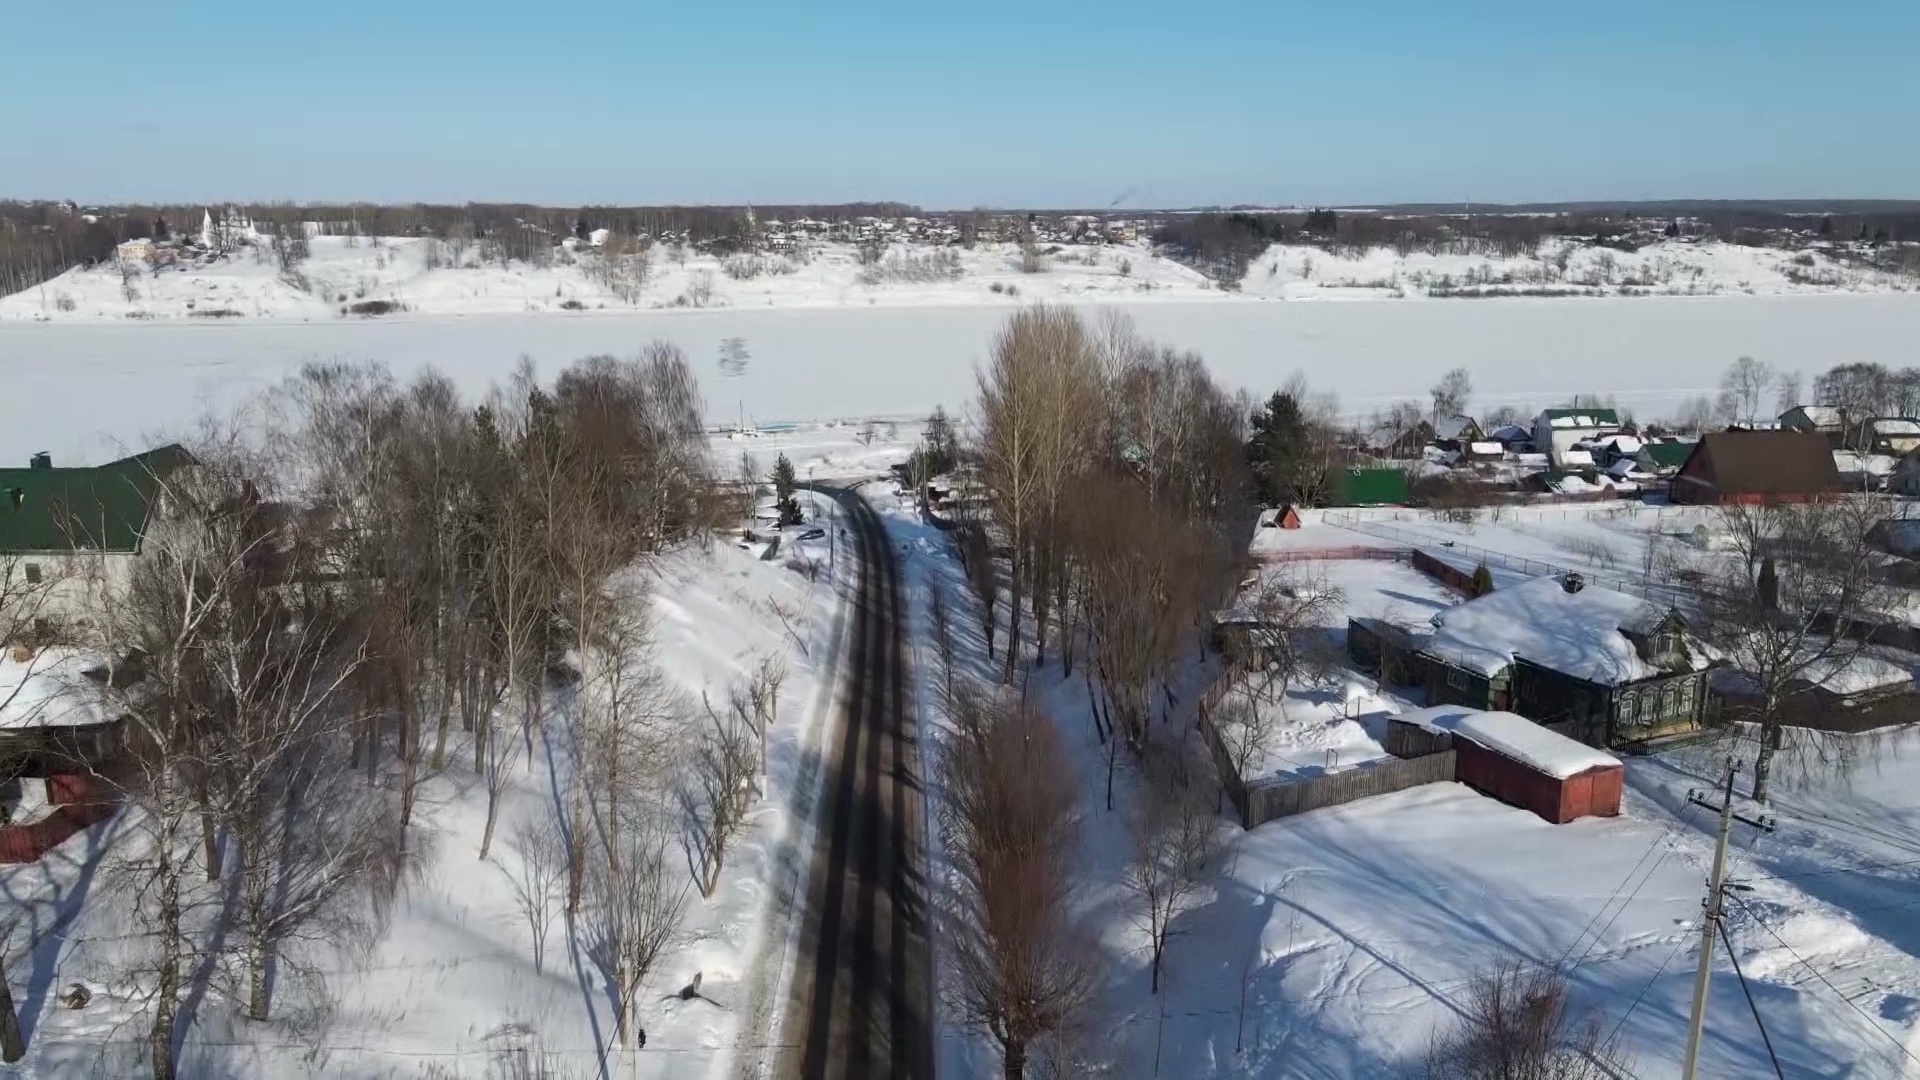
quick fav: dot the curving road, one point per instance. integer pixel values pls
(859, 1004)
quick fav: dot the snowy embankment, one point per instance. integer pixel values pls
(451, 985)
(1652, 355)
(1337, 943)
(421, 276)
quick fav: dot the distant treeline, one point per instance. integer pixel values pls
(1223, 244)
(39, 240)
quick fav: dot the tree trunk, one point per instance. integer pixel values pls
(167, 984)
(1112, 745)
(210, 841)
(446, 717)
(1013, 623)
(1015, 1062)
(1770, 741)
(1159, 949)
(12, 1046)
(257, 1001)
(623, 1004)
(493, 817)
(577, 843)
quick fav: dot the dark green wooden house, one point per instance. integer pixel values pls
(1612, 668)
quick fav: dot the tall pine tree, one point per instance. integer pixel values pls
(783, 485)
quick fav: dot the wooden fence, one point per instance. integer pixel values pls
(1271, 799)
(1265, 800)
(1353, 553)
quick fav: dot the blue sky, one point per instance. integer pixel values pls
(989, 103)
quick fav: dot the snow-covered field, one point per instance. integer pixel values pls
(426, 277)
(823, 363)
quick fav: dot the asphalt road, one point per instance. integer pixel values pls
(859, 1005)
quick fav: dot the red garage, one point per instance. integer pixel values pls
(1519, 762)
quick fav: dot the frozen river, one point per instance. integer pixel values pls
(81, 390)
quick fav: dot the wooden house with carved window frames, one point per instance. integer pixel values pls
(1603, 666)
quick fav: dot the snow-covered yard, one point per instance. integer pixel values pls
(1337, 943)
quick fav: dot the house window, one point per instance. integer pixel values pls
(33, 573)
(1670, 701)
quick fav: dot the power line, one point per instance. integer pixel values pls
(1608, 902)
(1908, 1054)
(1751, 1007)
(1678, 944)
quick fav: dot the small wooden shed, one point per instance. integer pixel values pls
(1515, 760)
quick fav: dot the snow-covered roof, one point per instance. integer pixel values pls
(1576, 458)
(1844, 675)
(50, 688)
(1850, 461)
(1822, 415)
(1621, 444)
(1386, 436)
(1514, 736)
(1452, 427)
(1572, 420)
(1894, 425)
(1486, 447)
(1624, 468)
(1577, 633)
(1510, 433)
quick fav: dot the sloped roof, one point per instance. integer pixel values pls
(1894, 425)
(1454, 427)
(1763, 463)
(96, 508)
(1667, 455)
(1580, 418)
(1514, 736)
(1578, 633)
(1825, 416)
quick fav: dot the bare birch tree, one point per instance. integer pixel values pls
(634, 913)
(1173, 828)
(1796, 611)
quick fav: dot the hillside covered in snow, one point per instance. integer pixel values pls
(362, 277)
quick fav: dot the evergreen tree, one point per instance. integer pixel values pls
(1277, 449)
(783, 500)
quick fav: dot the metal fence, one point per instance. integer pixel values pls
(1637, 586)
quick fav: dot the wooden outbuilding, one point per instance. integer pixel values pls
(1510, 758)
(1513, 760)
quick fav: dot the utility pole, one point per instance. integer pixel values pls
(1716, 909)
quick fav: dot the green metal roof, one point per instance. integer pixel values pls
(1668, 455)
(1366, 487)
(96, 508)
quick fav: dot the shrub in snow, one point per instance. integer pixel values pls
(1482, 580)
